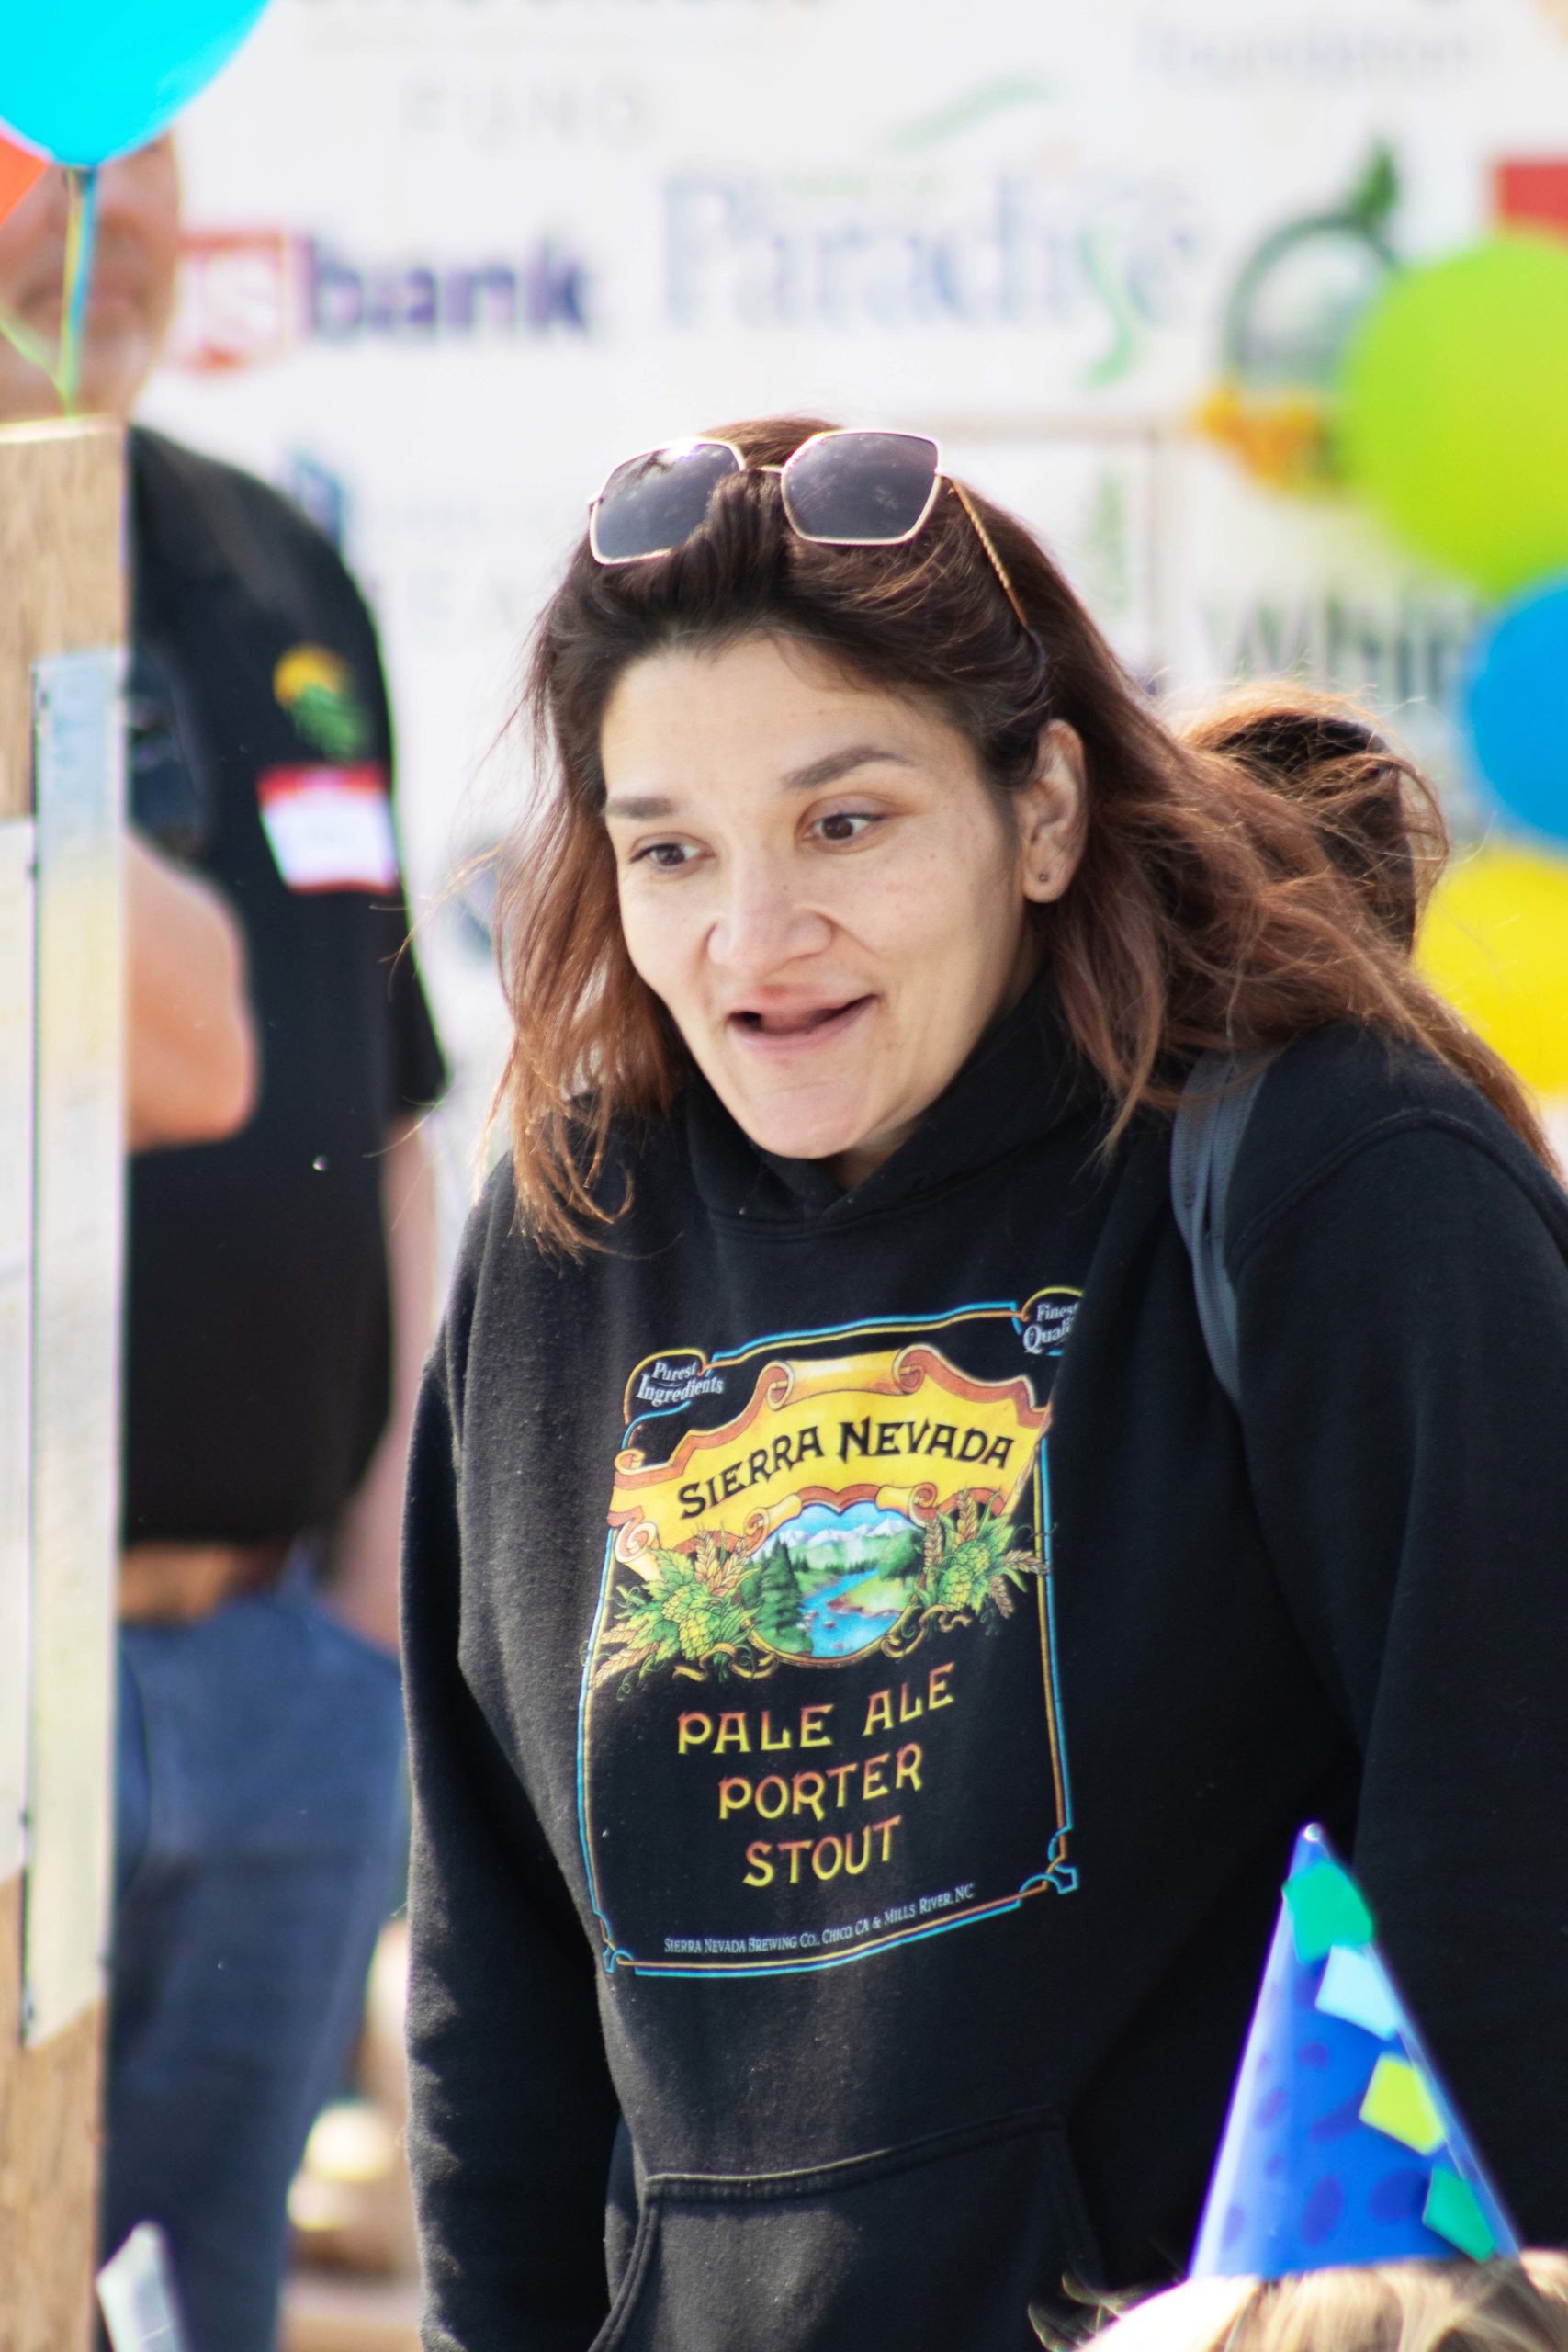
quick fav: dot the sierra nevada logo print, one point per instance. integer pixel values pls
(811, 1566)
(818, 1712)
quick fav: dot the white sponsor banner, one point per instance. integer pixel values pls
(452, 258)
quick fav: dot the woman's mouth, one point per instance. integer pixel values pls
(789, 1028)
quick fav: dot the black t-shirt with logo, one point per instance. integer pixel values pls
(257, 1334)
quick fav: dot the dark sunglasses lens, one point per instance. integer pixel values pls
(860, 489)
(656, 502)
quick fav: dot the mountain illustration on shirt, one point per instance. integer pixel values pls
(830, 1583)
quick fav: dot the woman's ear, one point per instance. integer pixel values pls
(1051, 812)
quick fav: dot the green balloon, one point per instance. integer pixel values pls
(1454, 416)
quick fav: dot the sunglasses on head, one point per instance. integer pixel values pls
(847, 488)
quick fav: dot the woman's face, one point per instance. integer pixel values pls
(819, 884)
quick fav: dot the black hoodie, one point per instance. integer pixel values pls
(855, 1866)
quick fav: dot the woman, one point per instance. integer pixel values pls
(850, 1825)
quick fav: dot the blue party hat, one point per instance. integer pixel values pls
(1341, 2145)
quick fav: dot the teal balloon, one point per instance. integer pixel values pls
(1516, 705)
(82, 81)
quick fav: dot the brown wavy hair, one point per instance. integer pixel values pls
(1245, 880)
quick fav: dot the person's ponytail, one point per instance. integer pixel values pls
(1376, 815)
(1378, 822)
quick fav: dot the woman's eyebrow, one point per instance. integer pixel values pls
(837, 764)
(640, 805)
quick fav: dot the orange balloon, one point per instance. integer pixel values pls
(19, 171)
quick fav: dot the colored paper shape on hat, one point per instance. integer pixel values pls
(1455, 2212)
(1326, 1908)
(19, 171)
(1341, 2145)
(1355, 1986)
(1399, 2105)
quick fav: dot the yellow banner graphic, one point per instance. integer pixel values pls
(904, 1429)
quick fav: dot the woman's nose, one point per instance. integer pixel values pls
(762, 923)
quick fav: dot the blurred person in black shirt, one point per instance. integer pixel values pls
(279, 1268)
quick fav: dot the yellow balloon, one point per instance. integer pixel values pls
(1496, 944)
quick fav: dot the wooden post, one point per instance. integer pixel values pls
(62, 594)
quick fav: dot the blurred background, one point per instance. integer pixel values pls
(448, 260)
(1257, 308)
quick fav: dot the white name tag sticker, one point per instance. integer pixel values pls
(330, 829)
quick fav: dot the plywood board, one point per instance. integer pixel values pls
(61, 590)
(61, 497)
(49, 2145)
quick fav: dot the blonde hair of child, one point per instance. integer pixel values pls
(1497, 2306)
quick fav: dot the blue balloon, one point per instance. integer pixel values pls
(1515, 703)
(84, 79)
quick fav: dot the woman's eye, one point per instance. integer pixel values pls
(668, 856)
(844, 825)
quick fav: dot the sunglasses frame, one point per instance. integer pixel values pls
(815, 538)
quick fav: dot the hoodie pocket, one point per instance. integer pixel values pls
(937, 2246)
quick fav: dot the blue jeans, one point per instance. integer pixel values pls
(259, 1826)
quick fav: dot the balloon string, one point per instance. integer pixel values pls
(33, 348)
(81, 236)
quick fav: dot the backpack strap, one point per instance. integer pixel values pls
(1217, 1100)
